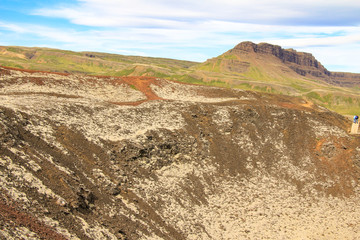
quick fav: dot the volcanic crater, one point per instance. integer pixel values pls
(92, 157)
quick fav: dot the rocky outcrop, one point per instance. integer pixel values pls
(301, 62)
(286, 55)
(345, 79)
(85, 157)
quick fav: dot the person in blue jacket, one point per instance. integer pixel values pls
(356, 118)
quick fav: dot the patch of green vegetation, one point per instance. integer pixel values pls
(11, 64)
(244, 86)
(217, 65)
(155, 73)
(206, 66)
(14, 49)
(328, 98)
(172, 68)
(254, 73)
(213, 65)
(119, 58)
(299, 87)
(347, 105)
(257, 74)
(260, 88)
(349, 100)
(230, 56)
(345, 110)
(250, 87)
(164, 62)
(52, 51)
(314, 96)
(124, 72)
(52, 59)
(276, 91)
(133, 87)
(187, 79)
(217, 83)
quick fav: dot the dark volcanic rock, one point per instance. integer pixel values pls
(85, 157)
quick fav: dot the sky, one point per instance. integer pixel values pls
(187, 29)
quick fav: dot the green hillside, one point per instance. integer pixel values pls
(88, 62)
(227, 70)
(268, 74)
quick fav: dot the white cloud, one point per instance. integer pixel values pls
(319, 41)
(164, 13)
(202, 40)
(13, 27)
(342, 58)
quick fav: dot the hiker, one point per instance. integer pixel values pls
(356, 118)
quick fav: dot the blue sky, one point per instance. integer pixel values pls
(187, 29)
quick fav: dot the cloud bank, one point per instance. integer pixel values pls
(181, 13)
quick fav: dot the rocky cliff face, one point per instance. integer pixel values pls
(144, 158)
(286, 55)
(302, 63)
(345, 79)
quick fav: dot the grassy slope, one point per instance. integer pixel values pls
(86, 62)
(258, 76)
(268, 75)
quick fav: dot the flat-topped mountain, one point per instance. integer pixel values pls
(273, 59)
(301, 62)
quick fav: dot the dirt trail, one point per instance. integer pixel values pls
(143, 84)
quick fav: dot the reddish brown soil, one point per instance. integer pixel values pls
(11, 214)
(338, 163)
(35, 71)
(143, 84)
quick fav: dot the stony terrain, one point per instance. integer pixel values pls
(85, 157)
